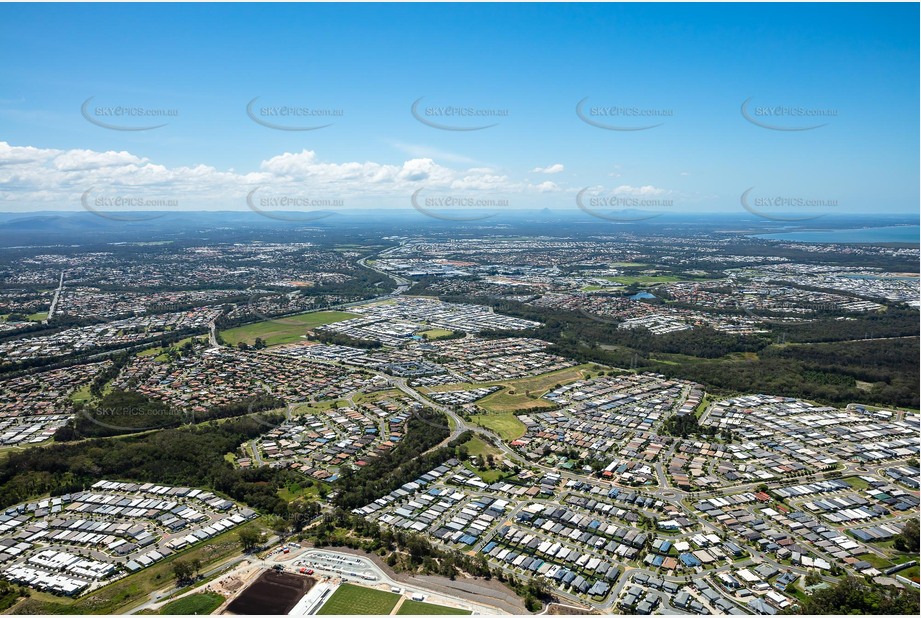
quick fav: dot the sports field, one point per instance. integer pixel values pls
(283, 330)
(433, 334)
(352, 600)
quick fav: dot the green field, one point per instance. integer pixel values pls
(81, 394)
(524, 393)
(352, 600)
(877, 561)
(160, 352)
(506, 425)
(647, 279)
(911, 573)
(488, 476)
(434, 334)
(509, 400)
(295, 490)
(200, 604)
(477, 446)
(38, 317)
(283, 330)
(537, 385)
(418, 607)
(857, 483)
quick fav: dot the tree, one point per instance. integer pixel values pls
(250, 538)
(854, 596)
(280, 525)
(186, 571)
(908, 540)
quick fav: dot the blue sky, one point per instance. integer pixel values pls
(856, 65)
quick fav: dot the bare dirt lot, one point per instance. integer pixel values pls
(273, 593)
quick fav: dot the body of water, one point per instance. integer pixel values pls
(892, 233)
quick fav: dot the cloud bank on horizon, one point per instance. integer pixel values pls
(47, 178)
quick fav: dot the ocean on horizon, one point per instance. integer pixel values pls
(890, 233)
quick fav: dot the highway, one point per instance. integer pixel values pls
(55, 299)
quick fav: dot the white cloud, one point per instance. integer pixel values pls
(76, 160)
(644, 191)
(50, 177)
(556, 168)
(429, 152)
(545, 187)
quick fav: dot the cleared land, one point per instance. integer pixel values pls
(352, 600)
(477, 446)
(283, 330)
(507, 400)
(506, 425)
(525, 393)
(194, 604)
(409, 608)
(272, 593)
(536, 385)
